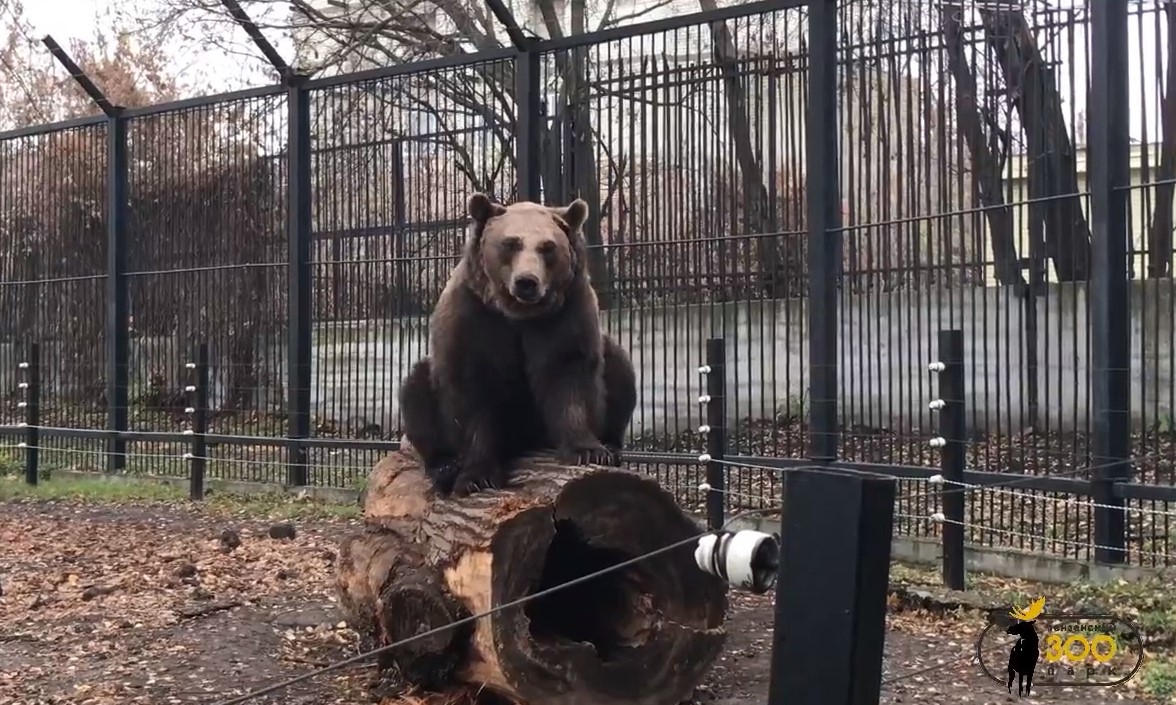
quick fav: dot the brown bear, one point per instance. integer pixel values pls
(518, 362)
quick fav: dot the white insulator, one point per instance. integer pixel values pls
(188, 456)
(935, 479)
(187, 432)
(21, 404)
(23, 365)
(23, 385)
(937, 442)
(190, 365)
(937, 366)
(189, 410)
(704, 428)
(705, 487)
(704, 399)
(190, 388)
(938, 517)
(704, 370)
(936, 404)
(704, 458)
(745, 559)
(22, 444)
(22, 424)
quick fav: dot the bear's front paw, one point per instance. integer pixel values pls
(443, 477)
(585, 453)
(472, 480)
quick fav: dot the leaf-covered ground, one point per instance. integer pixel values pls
(127, 594)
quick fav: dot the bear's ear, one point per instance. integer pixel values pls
(481, 208)
(574, 214)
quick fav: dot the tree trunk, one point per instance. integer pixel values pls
(1050, 152)
(757, 211)
(986, 166)
(645, 635)
(1159, 235)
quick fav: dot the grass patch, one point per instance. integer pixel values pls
(14, 489)
(130, 490)
(1158, 678)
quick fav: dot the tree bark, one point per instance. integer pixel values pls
(1159, 235)
(758, 220)
(1050, 152)
(986, 166)
(644, 635)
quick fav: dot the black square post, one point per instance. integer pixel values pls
(529, 104)
(117, 293)
(1107, 298)
(831, 591)
(716, 439)
(824, 230)
(299, 197)
(953, 456)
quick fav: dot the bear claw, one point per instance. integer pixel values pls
(470, 481)
(586, 455)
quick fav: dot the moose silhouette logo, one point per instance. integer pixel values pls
(1058, 649)
(1026, 650)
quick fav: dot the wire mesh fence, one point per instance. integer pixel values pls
(965, 200)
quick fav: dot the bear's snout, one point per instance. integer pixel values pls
(526, 288)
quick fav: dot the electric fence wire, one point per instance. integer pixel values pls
(252, 695)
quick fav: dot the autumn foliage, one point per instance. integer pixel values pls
(204, 219)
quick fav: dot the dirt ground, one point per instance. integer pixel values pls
(106, 604)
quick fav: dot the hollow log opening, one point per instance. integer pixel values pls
(603, 611)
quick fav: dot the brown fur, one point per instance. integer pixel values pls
(509, 376)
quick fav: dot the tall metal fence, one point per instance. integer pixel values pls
(824, 185)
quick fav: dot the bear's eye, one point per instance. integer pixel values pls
(512, 244)
(547, 248)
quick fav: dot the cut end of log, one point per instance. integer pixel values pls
(646, 633)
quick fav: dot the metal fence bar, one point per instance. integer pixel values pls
(716, 434)
(301, 285)
(117, 292)
(199, 414)
(953, 454)
(32, 404)
(1109, 302)
(530, 117)
(824, 230)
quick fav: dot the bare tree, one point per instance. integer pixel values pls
(181, 163)
(1159, 240)
(1032, 91)
(469, 113)
(987, 162)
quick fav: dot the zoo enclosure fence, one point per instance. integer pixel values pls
(835, 184)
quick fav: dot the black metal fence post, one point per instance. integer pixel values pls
(198, 393)
(1108, 300)
(953, 453)
(824, 229)
(716, 437)
(117, 294)
(32, 407)
(117, 329)
(298, 373)
(830, 623)
(529, 104)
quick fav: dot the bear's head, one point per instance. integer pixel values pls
(524, 259)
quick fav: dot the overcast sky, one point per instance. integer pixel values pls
(66, 19)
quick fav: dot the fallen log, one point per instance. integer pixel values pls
(642, 635)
